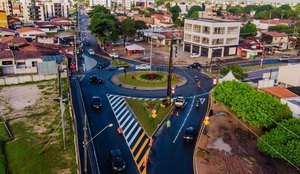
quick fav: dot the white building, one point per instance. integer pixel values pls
(29, 32)
(294, 104)
(289, 75)
(211, 37)
(6, 5)
(105, 3)
(59, 8)
(126, 4)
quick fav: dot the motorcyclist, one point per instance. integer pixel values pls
(196, 79)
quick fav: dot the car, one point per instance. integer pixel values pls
(284, 58)
(100, 65)
(194, 55)
(128, 43)
(96, 103)
(117, 161)
(96, 79)
(190, 134)
(91, 52)
(116, 43)
(180, 102)
(113, 55)
(138, 39)
(142, 67)
(194, 65)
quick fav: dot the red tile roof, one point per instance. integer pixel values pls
(275, 34)
(25, 29)
(16, 40)
(4, 29)
(161, 17)
(279, 92)
(5, 54)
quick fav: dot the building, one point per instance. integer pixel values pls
(162, 18)
(6, 6)
(294, 104)
(3, 19)
(265, 24)
(4, 32)
(60, 8)
(280, 40)
(126, 4)
(105, 3)
(285, 77)
(29, 33)
(32, 11)
(211, 37)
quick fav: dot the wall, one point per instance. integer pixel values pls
(27, 78)
(294, 107)
(285, 77)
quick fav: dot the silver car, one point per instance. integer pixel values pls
(142, 67)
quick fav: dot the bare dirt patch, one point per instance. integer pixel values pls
(230, 147)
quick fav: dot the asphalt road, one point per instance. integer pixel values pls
(168, 143)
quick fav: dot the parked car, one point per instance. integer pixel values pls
(138, 39)
(116, 43)
(91, 52)
(194, 65)
(96, 103)
(117, 161)
(128, 43)
(190, 134)
(96, 79)
(142, 67)
(180, 102)
(194, 55)
(284, 58)
(100, 65)
(113, 55)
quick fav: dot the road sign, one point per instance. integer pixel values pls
(202, 100)
(206, 122)
(154, 115)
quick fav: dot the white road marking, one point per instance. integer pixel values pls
(130, 132)
(128, 125)
(132, 139)
(123, 124)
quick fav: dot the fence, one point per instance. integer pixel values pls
(27, 78)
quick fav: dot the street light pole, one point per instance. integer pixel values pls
(110, 125)
(170, 73)
(151, 56)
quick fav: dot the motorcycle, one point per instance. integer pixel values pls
(197, 104)
(196, 79)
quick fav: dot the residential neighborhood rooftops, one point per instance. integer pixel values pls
(14, 40)
(4, 54)
(279, 92)
(4, 29)
(26, 29)
(275, 34)
(214, 20)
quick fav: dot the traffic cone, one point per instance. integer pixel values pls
(120, 131)
(177, 113)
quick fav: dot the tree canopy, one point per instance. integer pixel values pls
(175, 10)
(127, 28)
(98, 9)
(257, 108)
(193, 12)
(280, 143)
(281, 28)
(139, 25)
(248, 30)
(237, 71)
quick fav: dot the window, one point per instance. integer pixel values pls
(196, 39)
(217, 41)
(197, 28)
(187, 37)
(231, 41)
(219, 30)
(232, 30)
(205, 29)
(205, 40)
(188, 27)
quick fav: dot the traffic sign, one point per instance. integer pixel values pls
(206, 122)
(154, 115)
(202, 100)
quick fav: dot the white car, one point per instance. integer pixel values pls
(284, 58)
(91, 52)
(194, 55)
(180, 102)
(142, 67)
(138, 39)
(113, 55)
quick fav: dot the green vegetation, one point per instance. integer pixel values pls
(256, 67)
(284, 139)
(257, 108)
(237, 71)
(3, 138)
(119, 63)
(193, 12)
(143, 111)
(175, 10)
(135, 80)
(248, 30)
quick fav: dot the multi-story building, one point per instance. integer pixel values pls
(126, 4)
(280, 40)
(211, 37)
(6, 5)
(105, 3)
(32, 11)
(59, 8)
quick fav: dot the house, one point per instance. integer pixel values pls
(279, 40)
(6, 57)
(47, 26)
(162, 18)
(294, 104)
(265, 24)
(29, 33)
(14, 42)
(211, 37)
(3, 19)
(46, 39)
(4, 32)
(285, 78)
(279, 92)
(139, 17)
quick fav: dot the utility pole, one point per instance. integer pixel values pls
(85, 143)
(169, 90)
(62, 107)
(151, 56)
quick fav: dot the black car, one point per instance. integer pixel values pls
(194, 66)
(117, 161)
(96, 102)
(189, 134)
(96, 79)
(100, 65)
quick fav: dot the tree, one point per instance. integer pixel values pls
(193, 12)
(281, 142)
(263, 15)
(285, 7)
(237, 71)
(139, 25)
(248, 30)
(127, 28)
(98, 9)
(236, 10)
(264, 8)
(249, 8)
(168, 6)
(175, 10)
(297, 9)
(281, 28)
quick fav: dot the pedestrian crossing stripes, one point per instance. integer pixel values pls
(134, 134)
(136, 98)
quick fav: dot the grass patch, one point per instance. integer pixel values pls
(256, 67)
(3, 138)
(119, 63)
(3, 133)
(142, 110)
(127, 79)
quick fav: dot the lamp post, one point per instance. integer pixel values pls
(85, 143)
(169, 90)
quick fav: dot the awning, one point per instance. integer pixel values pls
(135, 47)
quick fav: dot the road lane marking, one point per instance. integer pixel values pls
(118, 99)
(138, 142)
(141, 149)
(122, 125)
(118, 115)
(124, 116)
(122, 111)
(130, 132)
(120, 107)
(128, 125)
(143, 159)
(188, 114)
(133, 138)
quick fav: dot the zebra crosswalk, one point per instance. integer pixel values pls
(135, 136)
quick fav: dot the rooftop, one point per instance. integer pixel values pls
(275, 34)
(4, 29)
(25, 29)
(279, 92)
(214, 20)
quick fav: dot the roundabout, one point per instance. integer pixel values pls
(144, 80)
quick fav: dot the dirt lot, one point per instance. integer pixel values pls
(230, 147)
